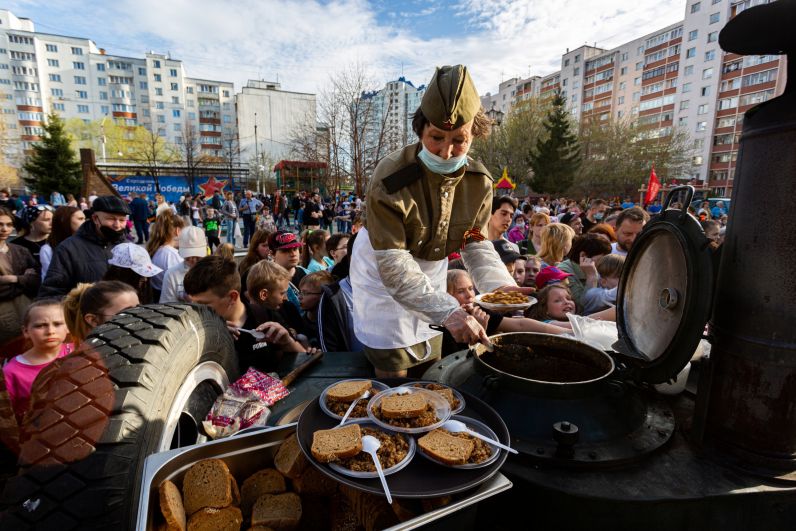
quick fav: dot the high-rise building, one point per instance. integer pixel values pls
(42, 73)
(675, 77)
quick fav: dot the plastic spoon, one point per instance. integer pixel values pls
(455, 426)
(371, 445)
(256, 334)
(365, 395)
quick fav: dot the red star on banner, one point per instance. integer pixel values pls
(212, 186)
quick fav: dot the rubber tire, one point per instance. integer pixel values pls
(100, 412)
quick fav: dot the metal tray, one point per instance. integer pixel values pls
(251, 451)
(421, 478)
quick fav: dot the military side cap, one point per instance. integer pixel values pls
(450, 101)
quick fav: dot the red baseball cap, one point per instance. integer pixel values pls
(283, 240)
(550, 275)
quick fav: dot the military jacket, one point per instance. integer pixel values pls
(409, 207)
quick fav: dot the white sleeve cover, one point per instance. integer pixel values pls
(411, 288)
(484, 265)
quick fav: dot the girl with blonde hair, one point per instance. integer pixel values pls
(162, 245)
(556, 240)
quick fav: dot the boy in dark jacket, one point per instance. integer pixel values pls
(212, 226)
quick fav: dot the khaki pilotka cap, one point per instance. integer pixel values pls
(450, 101)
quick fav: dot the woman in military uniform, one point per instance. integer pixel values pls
(424, 202)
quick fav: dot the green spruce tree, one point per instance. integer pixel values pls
(557, 157)
(53, 166)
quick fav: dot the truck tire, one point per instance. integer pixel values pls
(140, 384)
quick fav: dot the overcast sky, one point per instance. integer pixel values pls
(305, 42)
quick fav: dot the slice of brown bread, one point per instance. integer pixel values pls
(171, 506)
(337, 443)
(447, 394)
(278, 511)
(289, 459)
(446, 448)
(235, 491)
(206, 484)
(266, 481)
(403, 406)
(314, 482)
(212, 519)
(348, 391)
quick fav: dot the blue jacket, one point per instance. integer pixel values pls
(139, 210)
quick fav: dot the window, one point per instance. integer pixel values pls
(661, 70)
(707, 73)
(730, 84)
(144, 98)
(143, 85)
(689, 53)
(639, 65)
(19, 39)
(80, 80)
(577, 58)
(656, 102)
(53, 62)
(227, 119)
(146, 113)
(158, 91)
(104, 109)
(159, 105)
(192, 115)
(77, 51)
(756, 97)
(692, 35)
(157, 77)
(682, 121)
(566, 62)
(226, 92)
(688, 70)
(695, 7)
(155, 64)
(623, 57)
(728, 103)
(623, 71)
(189, 90)
(621, 100)
(101, 81)
(705, 91)
(713, 36)
(175, 113)
(728, 121)
(563, 84)
(622, 85)
(686, 87)
(701, 126)
(175, 86)
(57, 92)
(759, 77)
(710, 55)
(51, 48)
(59, 107)
(175, 100)
(22, 56)
(753, 60)
(161, 119)
(173, 72)
(55, 77)
(683, 105)
(190, 103)
(103, 95)
(82, 109)
(178, 127)
(714, 17)
(702, 109)
(78, 65)
(699, 143)
(141, 71)
(637, 81)
(82, 94)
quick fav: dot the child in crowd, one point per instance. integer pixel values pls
(162, 245)
(225, 251)
(267, 287)
(215, 282)
(533, 265)
(193, 247)
(44, 326)
(314, 256)
(310, 291)
(130, 264)
(519, 270)
(90, 305)
(266, 220)
(554, 302)
(212, 226)
(609, 267)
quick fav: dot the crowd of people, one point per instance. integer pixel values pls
(340, 274)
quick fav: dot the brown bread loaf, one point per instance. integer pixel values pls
(446, 448)
(289, 459)
(171, 506)
(403, 406)
(266, 481)
(348, 391)
(278, 511)
(211, 519)
(337, 443)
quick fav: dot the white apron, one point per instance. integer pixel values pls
(379, 321)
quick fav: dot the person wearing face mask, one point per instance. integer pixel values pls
(594, 214)
(83, 257)
(424, 202)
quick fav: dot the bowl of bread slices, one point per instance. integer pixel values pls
(408, 409)
(336, 399)
(459, 450)
(341, 449)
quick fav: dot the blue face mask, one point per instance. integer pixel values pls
(438, 164)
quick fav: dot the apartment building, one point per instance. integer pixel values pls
(42, 73)
(675, 77)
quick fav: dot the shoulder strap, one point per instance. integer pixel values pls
(402, 178)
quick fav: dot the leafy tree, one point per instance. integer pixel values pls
(556, 160)
(617, 156)
(53, 165)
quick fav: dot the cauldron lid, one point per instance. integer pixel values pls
(665, 293)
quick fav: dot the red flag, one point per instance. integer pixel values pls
(653, 187)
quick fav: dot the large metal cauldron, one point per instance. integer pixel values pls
(544, 365)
